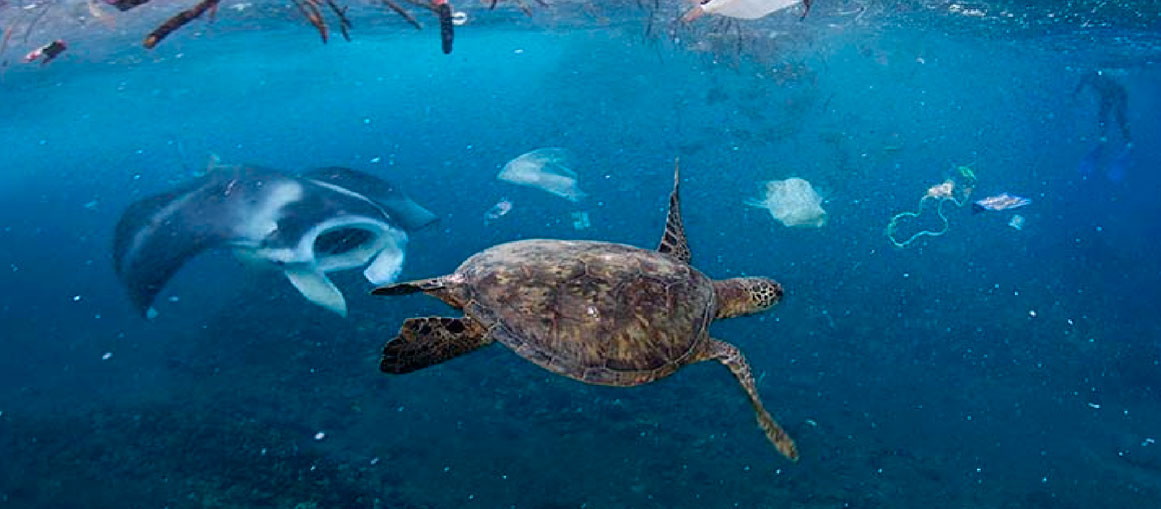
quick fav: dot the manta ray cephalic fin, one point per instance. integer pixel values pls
(317, 288)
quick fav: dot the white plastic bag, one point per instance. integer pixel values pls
(742, 9)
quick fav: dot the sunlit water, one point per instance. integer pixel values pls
(987, 367)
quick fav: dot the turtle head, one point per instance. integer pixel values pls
(745, 295)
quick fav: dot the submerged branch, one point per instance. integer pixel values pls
(309, 10)
(403, 12)
(178, 21)
(341, 13)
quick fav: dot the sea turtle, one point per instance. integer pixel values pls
(598, 312)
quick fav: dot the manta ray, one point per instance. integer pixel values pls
(307, 225)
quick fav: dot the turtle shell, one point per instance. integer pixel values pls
(598, 312)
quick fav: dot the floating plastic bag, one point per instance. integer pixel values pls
(957, 189)
(793, 202)
(742, 9)
(547, 169)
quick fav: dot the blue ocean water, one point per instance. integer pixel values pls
(987, 367)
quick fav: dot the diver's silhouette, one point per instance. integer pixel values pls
(1114, 104)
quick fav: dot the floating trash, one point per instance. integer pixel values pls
(500, 209)
(793, 202)
(743, 9)
(548, 169)
(956, 189)
(46, 53)
(1017, 222)
(1000, 202)
(580, 220)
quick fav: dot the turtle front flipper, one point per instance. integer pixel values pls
(734, 359)
(673, 241)
(428, 341)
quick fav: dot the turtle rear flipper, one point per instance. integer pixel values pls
(422, 285)
(428, 341)
(673, 241)
(734, 359)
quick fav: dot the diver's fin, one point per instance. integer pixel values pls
(673, 241)
(315, 286)
(397, 204)
(428, 341)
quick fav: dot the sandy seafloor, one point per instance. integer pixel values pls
(988, 367)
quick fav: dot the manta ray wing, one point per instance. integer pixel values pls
(394, 202)
(157, 235)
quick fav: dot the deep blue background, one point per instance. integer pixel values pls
(987, 367)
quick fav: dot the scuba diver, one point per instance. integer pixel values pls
(1114, 103)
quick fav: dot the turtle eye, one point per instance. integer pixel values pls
(766, 293)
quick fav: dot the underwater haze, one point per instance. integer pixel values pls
(1007, 362)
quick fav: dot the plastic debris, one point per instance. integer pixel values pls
(793, 202)
(548, 169)
(1017, 222)
(743, 9)
(1003, 201)
(500, 209)
(580, 220)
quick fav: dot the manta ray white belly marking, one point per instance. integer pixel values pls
(306, 267)
(263, 219)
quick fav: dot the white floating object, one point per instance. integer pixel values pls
(740, 9)
(320, 435)
(107, 356)
(793, 202)
(548, 169)
(580, 220)
(1017, 222)
(500, 209)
